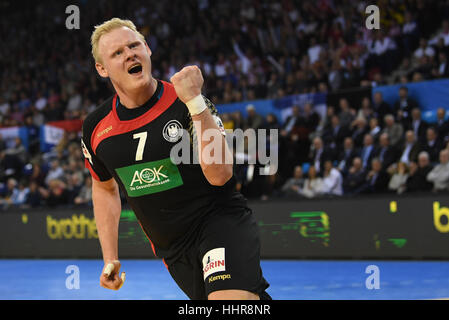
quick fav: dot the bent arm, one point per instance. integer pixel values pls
(107, 210)
(217, 168)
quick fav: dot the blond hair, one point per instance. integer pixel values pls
(106, 27)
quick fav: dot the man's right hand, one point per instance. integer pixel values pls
(109, 278)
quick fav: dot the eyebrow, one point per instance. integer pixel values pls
(137, 42)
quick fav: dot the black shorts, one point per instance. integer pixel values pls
(225, 255)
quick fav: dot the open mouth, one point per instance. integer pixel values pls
(135, 69)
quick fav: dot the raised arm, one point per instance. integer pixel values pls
(215, 157)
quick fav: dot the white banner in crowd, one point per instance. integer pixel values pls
(52, 135)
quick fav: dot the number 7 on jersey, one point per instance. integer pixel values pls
(142, 136)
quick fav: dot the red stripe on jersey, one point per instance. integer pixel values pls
(92, 172)
(111, 125)
(152, 246)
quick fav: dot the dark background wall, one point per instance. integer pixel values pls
(385, 227)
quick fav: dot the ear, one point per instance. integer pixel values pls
(148, 48)
(101, 70)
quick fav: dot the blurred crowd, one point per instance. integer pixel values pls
(377, 148)
(247, 50)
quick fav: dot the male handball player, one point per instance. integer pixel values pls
(196, 222)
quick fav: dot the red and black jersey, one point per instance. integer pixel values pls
(169, 200)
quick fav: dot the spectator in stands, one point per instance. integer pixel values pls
(19, 195)
(356, 177)
(380, 49)
(253, 120)
(442, 66)
(359, 129)
(374, 129)
(417, 180)
(380, 107)
(313, 184)
(410, 148)
(6, 198)
(442, 125)
(18, 151)
(239, 121)
(33, 135)
(399, 176)
(56, 194)
(394, 130)
(37, 174)
(55, 172)
(310, 117)
(319, 154)
(367, 152)
(442, 34)
(34, 198)
(84, 197)
(432, 145)
(418, 126)
(376, 179)
(410, 32)
(346, 114)
(423, 50)
(366, 111)
(404, 106)
(74, 183)
(335, 135)
(439, 175)
(291, 122)
(346, 156)
(294, 185)
(332, 180)
(386, 153)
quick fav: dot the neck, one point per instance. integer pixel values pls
(135, 98)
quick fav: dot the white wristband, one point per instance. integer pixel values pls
(196, 105)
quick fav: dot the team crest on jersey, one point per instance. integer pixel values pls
(172, 131)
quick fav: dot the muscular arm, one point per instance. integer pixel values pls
(188, 83)
(107, 209)
(218, 171)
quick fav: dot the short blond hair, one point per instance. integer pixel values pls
(106, 27)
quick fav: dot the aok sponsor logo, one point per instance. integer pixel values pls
(76, 227)
(150, 177)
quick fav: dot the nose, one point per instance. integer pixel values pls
(129, 54)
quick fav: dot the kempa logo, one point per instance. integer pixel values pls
(148, 176)
(221, 277)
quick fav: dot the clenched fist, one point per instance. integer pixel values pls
(110, 279)
(188, 83)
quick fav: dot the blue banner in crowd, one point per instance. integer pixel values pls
(10, 134)
(50, 137)
(430, 96)
(279, 107)
(263, 107)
